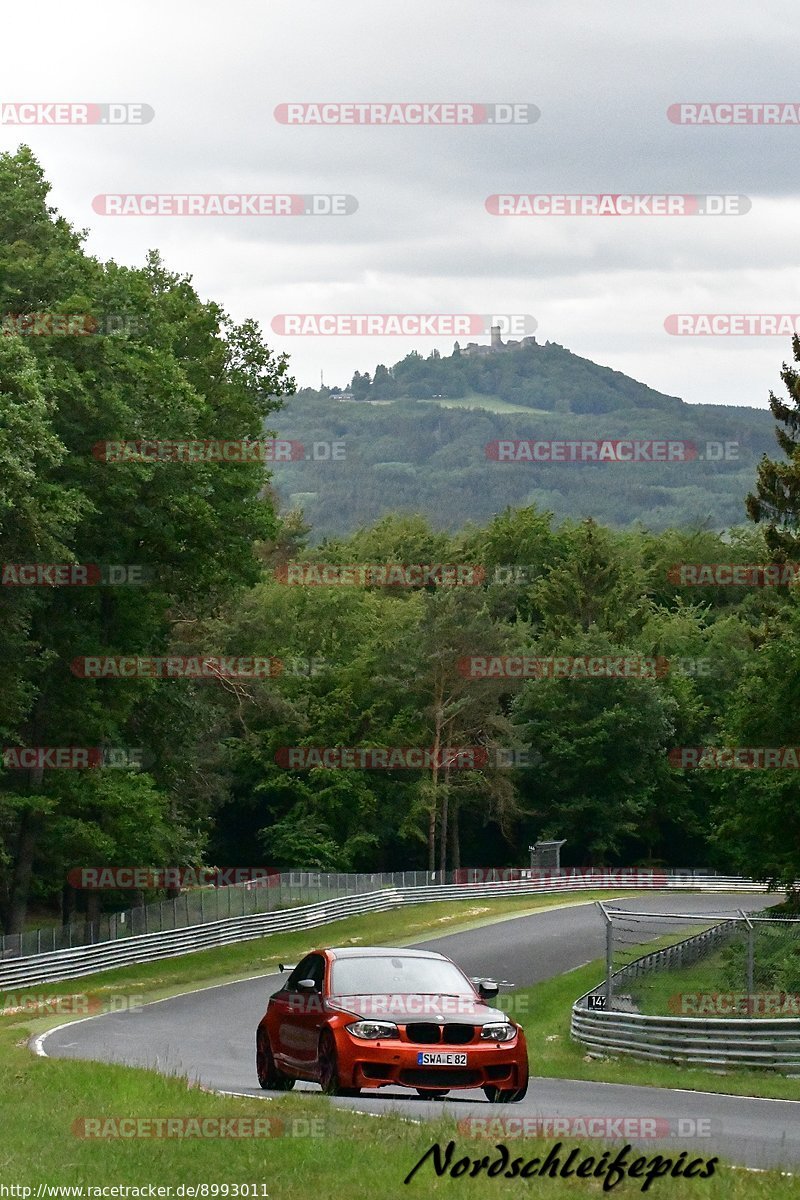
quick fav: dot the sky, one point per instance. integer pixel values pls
(421, 240)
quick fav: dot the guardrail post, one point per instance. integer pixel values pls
(609, 953)
(750, 960)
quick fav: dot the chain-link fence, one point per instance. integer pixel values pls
(200, 906)
(290, 889)
(702, 965)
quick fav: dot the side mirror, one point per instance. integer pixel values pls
(306, 985)
(488, 989)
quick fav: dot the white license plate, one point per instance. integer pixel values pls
(433, 1058)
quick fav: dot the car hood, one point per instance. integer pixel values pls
(451, 1010)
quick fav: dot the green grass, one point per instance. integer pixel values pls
(490, 403)
(724, 971)
(350, 1156)
(226, 964)
(658, 993)
(544, 1010)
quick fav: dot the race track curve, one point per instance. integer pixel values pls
(208, 1036)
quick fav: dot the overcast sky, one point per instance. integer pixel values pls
(421, 241)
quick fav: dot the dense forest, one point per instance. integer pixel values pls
(360, 657)
(418, 437)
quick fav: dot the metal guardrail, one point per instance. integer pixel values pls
(208, 905)
(766, 1043)
(773, 1043)
(86, 960)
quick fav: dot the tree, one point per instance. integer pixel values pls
(178, 370)
(776, 502)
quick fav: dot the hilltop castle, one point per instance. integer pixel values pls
(497, 344)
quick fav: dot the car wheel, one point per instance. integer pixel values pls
(329, 1068)
(269, 1077)
(496, 1095)
(433, 1093)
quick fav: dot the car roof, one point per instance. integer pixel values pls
(381, 952)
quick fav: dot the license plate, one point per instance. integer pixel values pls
(434, 1058)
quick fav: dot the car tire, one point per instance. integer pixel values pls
(269, 1077)
(496, 1095)
(329, 1068)
(432, 1094)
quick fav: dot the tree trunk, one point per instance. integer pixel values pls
(67, 903)
(22, 871)
(93, 913)
(27, 840)
(437, 742)
(455, 839)
(445, 816)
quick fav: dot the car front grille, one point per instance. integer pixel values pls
(425, 1033)
(440, 1077)
(375, 1070)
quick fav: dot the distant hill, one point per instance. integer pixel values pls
(416, 438)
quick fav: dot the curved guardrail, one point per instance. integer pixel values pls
(762, 1042)
(86, 960)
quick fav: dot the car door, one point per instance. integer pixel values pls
(299, 1015)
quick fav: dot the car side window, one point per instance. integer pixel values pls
(311, 967)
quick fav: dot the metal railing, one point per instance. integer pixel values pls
(604, 1020)
(290, 888)
(132, 948)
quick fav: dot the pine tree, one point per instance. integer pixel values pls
(776, 503)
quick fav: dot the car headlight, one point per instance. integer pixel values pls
(371, 1030)
(499, 1031)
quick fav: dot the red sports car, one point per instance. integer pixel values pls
(372, 1017)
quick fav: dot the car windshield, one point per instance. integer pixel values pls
(390, 974)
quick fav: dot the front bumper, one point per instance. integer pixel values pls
(377, 1064)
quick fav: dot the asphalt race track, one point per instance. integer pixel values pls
(209, 1036)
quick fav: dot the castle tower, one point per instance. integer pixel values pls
(497, 343)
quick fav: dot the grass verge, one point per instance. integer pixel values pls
(555, 1055)
(227, 964)
(316, 1149)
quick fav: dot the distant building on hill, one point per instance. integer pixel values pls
(497, 344)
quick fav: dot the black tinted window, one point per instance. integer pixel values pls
(311, 967)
